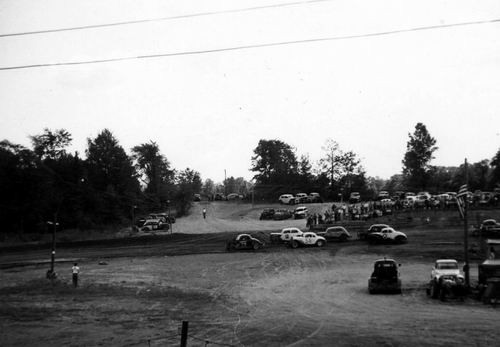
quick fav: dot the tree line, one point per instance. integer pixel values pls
(46, 183)
(278, 170)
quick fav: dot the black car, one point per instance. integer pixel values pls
(281, 214)
(385, 277)
(267, 213)
(244, 241)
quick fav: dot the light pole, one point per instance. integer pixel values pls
(133, 218)
(51, 273)
(169, 218)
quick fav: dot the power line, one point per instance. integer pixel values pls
(139, 21)
(261, 45)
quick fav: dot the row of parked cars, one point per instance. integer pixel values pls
(281, 214)
(299, 198)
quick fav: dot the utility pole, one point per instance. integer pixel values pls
(466, 227)
(225, 183)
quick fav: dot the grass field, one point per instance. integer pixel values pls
(137, 292)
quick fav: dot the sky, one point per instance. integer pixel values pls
(208, 111)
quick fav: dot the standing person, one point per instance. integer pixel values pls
(76, 270)
(204, 213)
(492, 253)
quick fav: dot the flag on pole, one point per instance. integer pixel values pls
(462, 191)
(461, 199)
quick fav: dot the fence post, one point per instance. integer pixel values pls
(184, 333)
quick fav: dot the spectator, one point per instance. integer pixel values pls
(75, 270)
(492, 253)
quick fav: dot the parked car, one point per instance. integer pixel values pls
(383, 195)
(197, 197)
(234, 196)
(287, 199)
(219, 197)
(445, 272)
(354, 198)
(281, 214)
(301, 198)
(300, 212)
(307, 239)
(387, 235)
(154, 224)
(385, 277)
(285, 235)
(244, 241)
(267, 213)
(373, 228)
(490, 227)
(164, 217)
(336, 233)
(314, 197)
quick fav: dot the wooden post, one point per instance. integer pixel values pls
(184, 333)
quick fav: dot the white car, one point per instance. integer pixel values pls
(387, 235)
(443, 269)
(300, 212)
(287, 199)
(285, 235)
(307, 239)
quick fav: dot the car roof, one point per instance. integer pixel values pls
(380, 225)
(336, 227)
(446, 261)
(385, 260)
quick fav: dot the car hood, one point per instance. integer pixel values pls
(448, 272)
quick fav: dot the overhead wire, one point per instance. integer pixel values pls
(253, 46)
(139, 21)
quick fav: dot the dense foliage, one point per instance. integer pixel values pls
(46, 183)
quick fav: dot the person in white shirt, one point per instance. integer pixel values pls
(76, 270)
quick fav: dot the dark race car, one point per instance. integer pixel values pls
(385, 277)
(244, 241)
(267, 213)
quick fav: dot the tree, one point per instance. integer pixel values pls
(154, 168)
(274, 161)
(208, 188)
(419, 153)
(339, 166)
(111, 175)
(51, 144)
(188, 183)
(494, 179)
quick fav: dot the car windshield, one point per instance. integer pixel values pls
(447, 266)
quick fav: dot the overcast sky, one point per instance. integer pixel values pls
(208, 111)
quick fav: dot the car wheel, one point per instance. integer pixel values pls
(400, 239)
(320, 243)
(295, 244)
(256, 246)
(434, 290)
(343, 238)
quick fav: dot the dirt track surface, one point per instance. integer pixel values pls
(274, 297)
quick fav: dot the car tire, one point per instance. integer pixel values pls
(400, 239)
(294, 244)
(255, 246)
(434, 290)
(320, 243)
(343, 238)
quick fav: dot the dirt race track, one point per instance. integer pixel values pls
(141, 292)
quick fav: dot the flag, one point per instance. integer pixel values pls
(461, 206)
(461, 199)
(462, 191)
